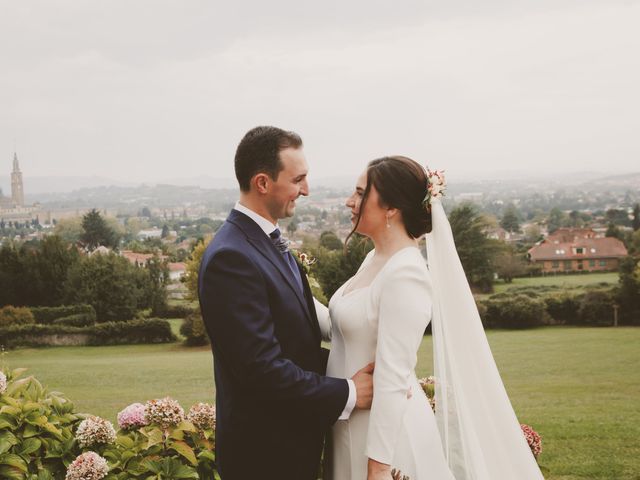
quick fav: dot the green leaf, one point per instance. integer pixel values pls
(15, 374)
(185, 450)
(154, 437)
(8, 409)
(13, 460)
(11, 473)
(29, 446)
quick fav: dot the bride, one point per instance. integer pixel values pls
(380, 316)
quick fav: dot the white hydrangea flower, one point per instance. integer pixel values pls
(3, 383)
(95, 430)
(88, 466)
(203, 416)
(166, 412)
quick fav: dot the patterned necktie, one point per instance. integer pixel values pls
(282, 244)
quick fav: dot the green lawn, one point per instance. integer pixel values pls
(560, 280)
(578, 387)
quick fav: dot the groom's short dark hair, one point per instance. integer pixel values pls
(259, 152)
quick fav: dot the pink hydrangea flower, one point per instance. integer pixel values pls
(88, 466)
(132, 417)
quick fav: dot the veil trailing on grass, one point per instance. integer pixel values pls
(480, 433)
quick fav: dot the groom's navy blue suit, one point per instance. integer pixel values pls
(273, 403)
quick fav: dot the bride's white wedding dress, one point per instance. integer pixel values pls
(385, 323)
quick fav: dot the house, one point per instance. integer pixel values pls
(139, 259)
(177, 270)
(577, 250)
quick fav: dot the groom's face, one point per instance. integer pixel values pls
(290, 184)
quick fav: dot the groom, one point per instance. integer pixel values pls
(274, 404)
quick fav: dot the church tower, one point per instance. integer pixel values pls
(17, 191)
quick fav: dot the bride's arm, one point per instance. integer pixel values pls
(403, 312)
(324, 320)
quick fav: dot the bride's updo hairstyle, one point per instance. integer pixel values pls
(401, 183)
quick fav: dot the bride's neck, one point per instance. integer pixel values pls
(391, 240)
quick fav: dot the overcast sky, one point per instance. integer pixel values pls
(148, 90)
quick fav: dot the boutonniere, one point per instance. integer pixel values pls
(304, 260)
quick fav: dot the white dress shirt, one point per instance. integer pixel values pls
(321, 311)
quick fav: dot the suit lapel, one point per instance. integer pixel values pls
(263, 244)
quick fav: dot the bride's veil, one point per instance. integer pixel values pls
(480, 433)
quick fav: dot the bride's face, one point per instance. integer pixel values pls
(372, 216)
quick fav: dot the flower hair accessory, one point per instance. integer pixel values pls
(436, 186)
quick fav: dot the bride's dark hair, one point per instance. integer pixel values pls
(401, 183)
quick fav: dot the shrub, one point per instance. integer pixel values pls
(193, 330)
(152, 330)
(112, 333)
(15, 316)
(47, 315)
(36, 430)
(517, 311)
(563, 307)
(77, 320)
(177, 311)
(596, 308)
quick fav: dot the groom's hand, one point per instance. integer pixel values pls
(363, 380)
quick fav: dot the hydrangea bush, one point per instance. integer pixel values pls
(36, 429)
(42, 438)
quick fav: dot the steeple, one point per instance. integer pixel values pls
(17, 191)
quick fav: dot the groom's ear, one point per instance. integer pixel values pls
(261, 182)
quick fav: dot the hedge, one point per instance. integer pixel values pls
(47, 315)
(516, 311)
(176, 311)
(77, 320)
(151, 330)
(10, 315)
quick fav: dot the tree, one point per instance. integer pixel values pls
(635, 223)
(165, 231)
(510, 220)
(614, 231)
(152, 284)
(334, 267)
(193, 326)
(509, 265)
(96, 232)
(69, 229)
(12, 277)
(292, 227)
(110, 283)
(475, 249)
(330, 241)
(47, 268)
(628, 293)
(556, 219)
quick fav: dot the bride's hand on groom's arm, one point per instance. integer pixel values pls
(363, 380)
(378, 471)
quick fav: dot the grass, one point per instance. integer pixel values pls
(578, 387)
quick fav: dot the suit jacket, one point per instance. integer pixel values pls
(273, 402)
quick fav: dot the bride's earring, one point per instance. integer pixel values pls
(388, 224)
